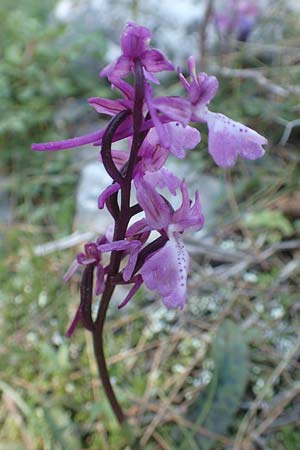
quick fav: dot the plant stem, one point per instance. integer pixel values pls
(100, 356)
(103, 372)
(121, 216)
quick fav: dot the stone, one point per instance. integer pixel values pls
(93, 180)
(211, 188)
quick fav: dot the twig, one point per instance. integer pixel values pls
(165, 406)
(211, 251)
(208, 433)
(161, 442)
(61, 244)
(150, 346)
(203, 33)
(225, 272)
(258, 77)
(277, 409)
(289, 269)
(289, 125)
(270, 382)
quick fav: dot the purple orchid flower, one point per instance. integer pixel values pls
(162, 110)
(154, 127)
(145, 239)
(92, 255)
(91, 259)
(169, 280)
(226, 139)
(152, 156)
(237, 18)
(135, 44)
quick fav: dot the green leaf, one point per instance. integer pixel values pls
(214, 410)
(272, 220)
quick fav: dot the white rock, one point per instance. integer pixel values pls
(93, 180)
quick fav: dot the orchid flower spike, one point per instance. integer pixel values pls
(149, 249)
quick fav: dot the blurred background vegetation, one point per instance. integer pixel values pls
(225, 372)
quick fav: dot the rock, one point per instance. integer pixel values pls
(93, 180)
(211, 189)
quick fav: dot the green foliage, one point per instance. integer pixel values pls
(271, 221)
(43, 67)
(50, 425)
(289, 438)
(39, 71)
(216, 406)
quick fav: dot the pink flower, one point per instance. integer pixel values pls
(226, 138)
(166, 270)
(135, 44)
(238, 17)
(91, 259)
(154, 128)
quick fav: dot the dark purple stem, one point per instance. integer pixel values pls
(138, 137)
(106, 155)
(121, 217)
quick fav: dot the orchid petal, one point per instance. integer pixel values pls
(201, 89)
(191, 63)
(83, 260)
(155, 61)
(162, 133)
(109, 107)
(133, 290)
(70, 272)
(169, 280)
(183, 138)
(183, 80)
(187, 216)
(140, 226)
(135, 40)
(153, 154)
(150, 77)
(125, 88)
(118, 246)
(208, 86)
(99, 279)
(227, 139)
(128, 271)
(163, 178)
(119, 69)
(74, 322)
(91, 251)
(109, 234)
(133, 247)
(175, 108)
(68, 143)
(104, 196)
(157, 211)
